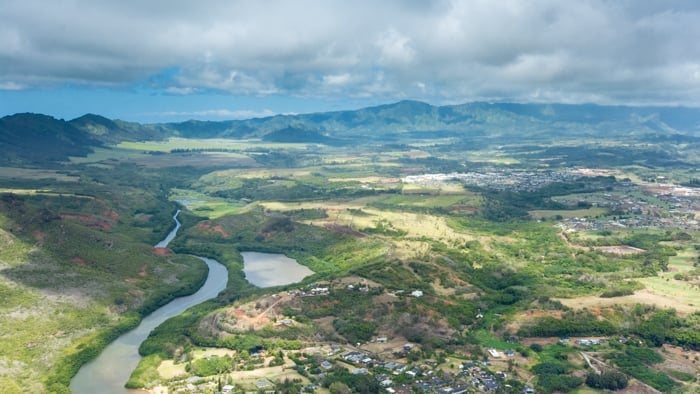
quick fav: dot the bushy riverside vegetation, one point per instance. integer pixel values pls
(454, 268)
(78, 267)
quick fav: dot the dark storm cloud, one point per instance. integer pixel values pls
(601, 51)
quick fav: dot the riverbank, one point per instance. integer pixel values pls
(110, 370)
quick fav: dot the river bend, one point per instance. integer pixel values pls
(108, 373)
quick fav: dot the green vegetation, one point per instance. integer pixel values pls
(145, 372)
(213, 365)
(542, 237)
(609, 380)
(552, 377)
(637, 362)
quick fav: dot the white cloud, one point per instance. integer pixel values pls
(395, 48)
(337, 79)
(9, 85)
(216, 113)
(180, 91)
(446, 50)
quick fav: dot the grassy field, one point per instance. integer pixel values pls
(662, 290)
(679, 294)
(195, 144)
(36, 174)
(568, 214)
(205, 205)
(108, 158)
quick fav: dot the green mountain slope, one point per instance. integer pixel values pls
(114, 131)
(35, 139)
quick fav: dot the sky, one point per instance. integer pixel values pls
(172, 60)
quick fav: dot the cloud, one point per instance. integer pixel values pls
(337, 79)
(613, 52)
(180, 90)
(10, 85)
(216, 113)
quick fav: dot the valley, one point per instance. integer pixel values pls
(469, 248)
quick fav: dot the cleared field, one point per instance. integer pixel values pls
(25, 173)
(232, 174)
(214, 143)
(663, 290)
(682, 302)
(169, 370)
(371, 180)
(568, 214)
(341, 213)
(108, 157)
(41, 192)
(436, 189)
(281, 373)
(205, 205)
(441, 201)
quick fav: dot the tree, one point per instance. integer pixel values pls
(610, 380)
(339, 388)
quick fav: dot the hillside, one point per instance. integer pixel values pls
(33, 139)
(114, 131)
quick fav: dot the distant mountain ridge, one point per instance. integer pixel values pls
(27, 138)
(416, 116)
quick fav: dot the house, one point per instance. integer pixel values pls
(588, 342)
(319, 291)
(227, 389)
(326, 364)
(494, 353)
(353, 357)
(491, 384)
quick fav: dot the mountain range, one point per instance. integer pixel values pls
(31, 138)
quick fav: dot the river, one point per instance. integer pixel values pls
(108, 373)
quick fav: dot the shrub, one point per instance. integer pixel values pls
(610, 380)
